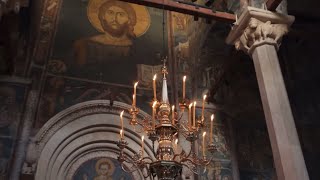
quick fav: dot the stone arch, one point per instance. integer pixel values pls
(82, 132)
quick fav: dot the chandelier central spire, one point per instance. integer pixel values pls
(164, 71)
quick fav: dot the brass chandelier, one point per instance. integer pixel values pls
(162, 129)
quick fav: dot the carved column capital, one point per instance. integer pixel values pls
(256, 27)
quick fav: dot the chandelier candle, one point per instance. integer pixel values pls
(154, 114)
(154, 87)
(211, 126)
(121, 119)
(194, 113)
(133, 100)
(203, 148)
(121, 134)
(172, 115)
(135, 93)
(142, 146)
(184, 88)
(175, 146)
(202, 112)
(189, 117)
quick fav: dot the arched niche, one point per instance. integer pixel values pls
(85, 131)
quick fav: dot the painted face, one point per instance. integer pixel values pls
(116, 17)
(103, 169)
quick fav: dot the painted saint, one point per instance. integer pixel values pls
(119, 24)
(104, 169)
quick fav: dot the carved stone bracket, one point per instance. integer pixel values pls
(256, 27)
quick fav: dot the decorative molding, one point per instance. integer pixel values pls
(76, 132)
(79, 110)
(256, 27)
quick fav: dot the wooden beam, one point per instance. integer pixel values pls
(186, 9)
(273, 4)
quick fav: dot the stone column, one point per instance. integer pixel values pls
(258, 32)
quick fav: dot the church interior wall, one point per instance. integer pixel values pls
(45, 51)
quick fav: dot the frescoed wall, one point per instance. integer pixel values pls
(12, 98)
(100, 49)
(101, 169)
(254, 154)
(106, 39)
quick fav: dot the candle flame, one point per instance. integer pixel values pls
(204, 134)
(121, 132)
(195, 103)
(212, 117)
(176, 141)
(136, 84)
(172, 108)
(154, 104)
(121, 114)
(204, 97)
(184, 78)
(155, 77)
(190, 105)
(142, 138)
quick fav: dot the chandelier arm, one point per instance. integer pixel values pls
(184, 128)
(208, 161)
(129, 171)
(143, 125)
(144, 165)
(176, 155)
(147, 158)
(191, 152)
(179, 118)
(153, 150)
(189, 166)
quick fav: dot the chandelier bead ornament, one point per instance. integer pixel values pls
(162, 129)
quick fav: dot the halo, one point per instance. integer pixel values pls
(143, 16)
(105, 161)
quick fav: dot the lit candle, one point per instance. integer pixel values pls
(133, 100)
(202, 113)
(142, 146)
(154, 87)
(121, 119)
(154, 114)
(184, 88)
(121, 134)
(203, 148)
(135, 93)
(194, 113)
(189, 117)
(175, 146)
(211, 126)
(172, 115)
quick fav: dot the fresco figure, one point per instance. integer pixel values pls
(104, 169)
(113, 50)
(119, 24)
(101, 169)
